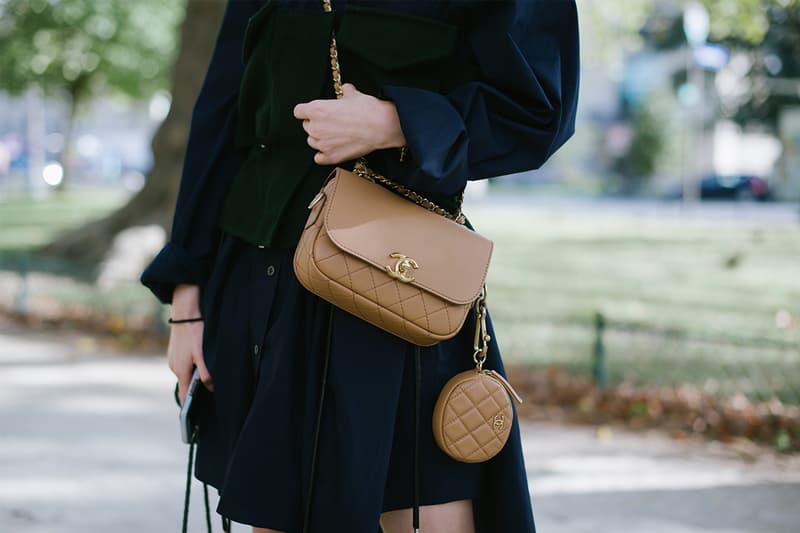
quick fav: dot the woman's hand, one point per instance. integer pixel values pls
(349, 127)
(185, 347)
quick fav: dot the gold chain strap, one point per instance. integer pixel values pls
(482, 337)
(364, 171)
(337, 73)
(361, 167)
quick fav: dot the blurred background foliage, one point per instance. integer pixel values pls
(768, 31)
(86, 48)
(82, 49)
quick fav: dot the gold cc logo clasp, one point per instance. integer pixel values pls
(401, 270)
(499, 422)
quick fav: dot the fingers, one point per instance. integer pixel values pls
(326, 154)
(321, 158)
(312, 109)
(337, 154)
(200, 363)
(315, 143)
(180, 364)
(336, 157)
(307, 110)
(205, 376)
(302, 111)
(183, 385)
(328, 132)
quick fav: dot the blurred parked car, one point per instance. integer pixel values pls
(734, 188)
(740, 188)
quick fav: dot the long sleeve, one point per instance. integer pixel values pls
(520, 111)
(210, 163)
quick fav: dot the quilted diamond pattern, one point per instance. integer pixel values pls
(472, 418)
(369, 293)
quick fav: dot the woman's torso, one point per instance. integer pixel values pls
(286, 54)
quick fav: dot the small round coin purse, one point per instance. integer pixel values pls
(473, 415)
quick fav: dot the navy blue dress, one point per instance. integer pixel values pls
(265, 335)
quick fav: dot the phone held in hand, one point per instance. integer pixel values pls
(187, 427)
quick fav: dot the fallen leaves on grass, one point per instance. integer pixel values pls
(682, 410)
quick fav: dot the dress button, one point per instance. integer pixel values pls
(270, 270)
(255, 349)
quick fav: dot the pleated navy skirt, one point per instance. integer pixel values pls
(264, 342)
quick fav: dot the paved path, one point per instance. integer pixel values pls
(89, 443)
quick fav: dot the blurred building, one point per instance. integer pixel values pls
(111, 141)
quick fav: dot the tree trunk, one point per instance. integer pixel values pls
(67, 152)
(155, 202)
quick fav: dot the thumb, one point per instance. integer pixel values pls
(200, 363)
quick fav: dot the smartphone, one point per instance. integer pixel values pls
(187, 427)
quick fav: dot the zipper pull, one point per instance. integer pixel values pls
(505, 384)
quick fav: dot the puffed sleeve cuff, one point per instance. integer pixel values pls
(436, 137)
(171, 267)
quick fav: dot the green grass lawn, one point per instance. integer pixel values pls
(685, 302)
(27, 222)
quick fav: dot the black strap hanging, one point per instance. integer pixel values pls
(326, 360)
(187, 493)
(417, 402)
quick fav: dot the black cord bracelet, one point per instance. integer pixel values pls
(181, 321)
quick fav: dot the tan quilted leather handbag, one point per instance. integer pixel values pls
(389, 261)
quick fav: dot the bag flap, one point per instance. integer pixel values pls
(372, 222)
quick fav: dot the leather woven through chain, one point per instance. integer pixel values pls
(365, 172)
(361, 167)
